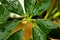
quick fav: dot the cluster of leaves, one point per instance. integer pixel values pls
(32, 8)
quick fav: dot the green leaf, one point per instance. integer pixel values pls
(4, 14)
(17, 36)
(7, 28)
(38, 34)
(53, 11)
(13, 6)
(49, 9)
(46, 25)
(29, 6)
(59, 5)
(41, 7)
(55, 33)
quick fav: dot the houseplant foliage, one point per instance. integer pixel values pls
(40, 27)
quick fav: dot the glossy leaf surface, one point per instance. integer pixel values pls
(7, 28)
(13, 6)
(17, 36)
(46, 25)
(41, 7)
(29, 6)
(4, 14)
(38, 34)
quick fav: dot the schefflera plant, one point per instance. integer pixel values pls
(16, 29)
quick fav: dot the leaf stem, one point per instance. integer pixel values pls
(46, 16)
(55, 15)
